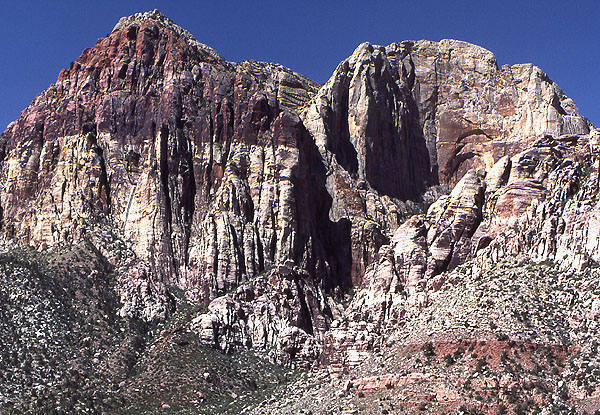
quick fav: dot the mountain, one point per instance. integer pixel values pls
(420, 233)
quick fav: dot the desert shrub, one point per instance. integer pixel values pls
(428, 350)
(459, 353)
(481, 364)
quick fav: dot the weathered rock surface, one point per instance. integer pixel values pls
(541, 203)
(282, 313)
(208, 169)
(474, 113)
(201, 163)
(310, 222)
(393, 121)
(516, 337)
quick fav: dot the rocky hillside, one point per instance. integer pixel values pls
(421, 221)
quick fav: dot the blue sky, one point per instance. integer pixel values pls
(38, 38)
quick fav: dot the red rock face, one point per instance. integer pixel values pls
(540, 203)
(474, 112)
(214, 173)
(206, 167)
(449, 395)
(394, 120)
(446, 89)
(201, 163)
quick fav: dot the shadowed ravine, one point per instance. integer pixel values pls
(183, 234)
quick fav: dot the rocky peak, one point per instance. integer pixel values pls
(149, 104)
(155, 15)
(201, 164)
(263, 194)
(131, 25)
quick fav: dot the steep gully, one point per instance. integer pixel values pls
(227, 178)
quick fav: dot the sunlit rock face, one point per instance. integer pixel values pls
(213, 175)
(450, 94)
(203, 165)
(393, 121)
(540, 205)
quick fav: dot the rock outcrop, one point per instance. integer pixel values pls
(203, 165)
(393, 121)
(541, 203)
(269, 198)
(281, 313)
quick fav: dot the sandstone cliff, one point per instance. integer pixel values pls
(203, 165)
(216, 171)
(308, 221)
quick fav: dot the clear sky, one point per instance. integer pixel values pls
(38, 38)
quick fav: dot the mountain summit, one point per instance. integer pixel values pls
(378, 229)
(133, 23)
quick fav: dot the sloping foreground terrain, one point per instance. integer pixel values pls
(183, 234)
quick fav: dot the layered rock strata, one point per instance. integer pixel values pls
(541, 203)
(213, 174)
(201, 163)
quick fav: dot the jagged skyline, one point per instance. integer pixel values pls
(186, 235)
(553, 37)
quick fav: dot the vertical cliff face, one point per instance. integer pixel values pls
(406, 206)
(437, 108)
(475, 113)
(540, 205)
(365, 120)
(213, 175)
(202, 164)
(217, 171)
(393, 121)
